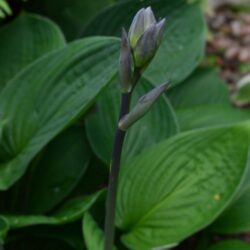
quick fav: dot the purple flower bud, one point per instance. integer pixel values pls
(146, 47)
(160, 31)
(142, 107)
(137, 27)
(149, 18)
(126, 60)
(145, 36)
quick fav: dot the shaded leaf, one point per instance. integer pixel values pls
(158, 124)
(236, 219)
(52, 93)
(183, 43)
(203, 101)
(231, 245)
(24, 40)
(69, 212)
(4, 228)
(203, 87)
(181, 185)
(71, 15)
(62, 165)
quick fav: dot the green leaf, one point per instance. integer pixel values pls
(24, 40)
(203, 87)
(203, 101)
(231, 245)
(52, 93)
(236, 219)
(181, 185)
(93, 235)
(63, 163)
(4, 228)
(71, 15)
(183, 42)
(241, 95)
(69, 212)
(158, 124)
(68, 233)
(210, 116)
(5, 8)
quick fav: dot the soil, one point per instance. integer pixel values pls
(228, 45)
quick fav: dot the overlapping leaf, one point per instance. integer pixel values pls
(48, 96)
(236, 219)
(23, 40)
(203, 101)
(181, 185)
(71, 15)
(62, 165)
(183, 42)
(231, 245)
(69, 212)
(158, 124)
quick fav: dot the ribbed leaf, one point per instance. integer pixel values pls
(181, 185)
(231, 245)
(71, 15)
(203, 87)
(93, 235)
(23, 40)
(203, 101)
(210, 116)
(69, 212)
(236, 219)
(183, 42)
(62, 165)
(51, 94)
(158, 124)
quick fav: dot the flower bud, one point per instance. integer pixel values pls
(160, 31)
(145, 36)
(142, 107)
(136, 28)
(142, 20)
(125, 69)
(146, 47)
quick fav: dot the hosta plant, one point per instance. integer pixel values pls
(171, 172)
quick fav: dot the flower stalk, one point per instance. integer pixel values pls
(137, 50)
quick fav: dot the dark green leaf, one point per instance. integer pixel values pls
(181, 185)
(4, 228)
(236, 219)
(183, 42)
(69, 212)
(231, 245)
(203, 101)
(24, 40)
(158, 124)
(203, 87)
(51, 94)
(60, 169)
(71, 15)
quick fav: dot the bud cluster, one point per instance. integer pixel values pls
(139, 46)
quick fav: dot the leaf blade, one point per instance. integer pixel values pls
(162, 180)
